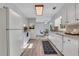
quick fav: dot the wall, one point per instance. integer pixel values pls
(52, 21)
(39, 27)
(32, 21)
(26, 38)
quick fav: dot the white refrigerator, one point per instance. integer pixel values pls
(15, 29)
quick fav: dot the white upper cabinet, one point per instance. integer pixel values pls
(77, 11)
(67, 12)
(70, 46)
(71, 12)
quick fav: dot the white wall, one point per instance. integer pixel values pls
(32, 21)
(40, 26)
(26, 39)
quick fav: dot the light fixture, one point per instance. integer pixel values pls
(39, 9)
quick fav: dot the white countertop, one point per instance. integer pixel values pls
(63, 34)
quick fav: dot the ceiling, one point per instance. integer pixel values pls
(29, 9)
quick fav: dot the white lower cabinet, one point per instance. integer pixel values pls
(57, 41)
(67, 45)
(70, 46)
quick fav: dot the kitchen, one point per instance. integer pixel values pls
(59, 24)
(65, 38)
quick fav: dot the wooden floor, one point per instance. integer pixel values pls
(35, 48)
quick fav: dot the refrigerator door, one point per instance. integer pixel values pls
(15, 20)
(16, 42)
(3, 41)
(15, 33)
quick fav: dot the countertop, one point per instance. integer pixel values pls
(63, 34)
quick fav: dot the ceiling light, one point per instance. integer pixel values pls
(39, 9)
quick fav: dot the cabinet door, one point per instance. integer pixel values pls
(77, 11)
(16, 42)
(71, 12)
(70, 47)
(57, 41)
(52, 38)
